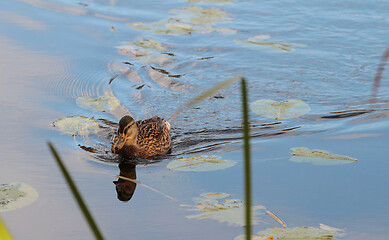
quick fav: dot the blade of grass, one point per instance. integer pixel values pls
(277, 218)
(76, 194)
(213, 90)
(206, 94)
(247, 161)
(4, 233)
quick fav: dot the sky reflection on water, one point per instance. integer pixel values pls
(53, 52)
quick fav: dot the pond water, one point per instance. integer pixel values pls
(148, 58)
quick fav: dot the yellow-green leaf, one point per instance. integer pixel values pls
(4, 233)
(149, 44)
(78, 125)
(220, 207)
(200, 163)
(16, 195)
(318, 157)
(186, 20)
(292, 108)
(259, 41)
(306, 233)
(102, 104)
(144, 55)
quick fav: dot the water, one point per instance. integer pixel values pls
(53, 52)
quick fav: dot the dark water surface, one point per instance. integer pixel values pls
(53, 52)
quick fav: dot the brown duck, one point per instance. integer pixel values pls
(144, 138)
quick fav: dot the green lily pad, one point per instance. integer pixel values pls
(292, 108)
(306, 233)
(259, 41)
(200, 163)
(220, 207)
(102, 104)
(186, 20)
(318, 157)
(78, 125)
(149, 53)
(16, 195)
(149, 44)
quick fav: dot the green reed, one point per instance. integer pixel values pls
(246, 139)
(76, 194)
(247, 157)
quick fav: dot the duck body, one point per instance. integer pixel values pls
(143, 138)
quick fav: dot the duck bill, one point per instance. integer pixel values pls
(121, 140)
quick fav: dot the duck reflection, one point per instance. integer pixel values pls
(124, 188)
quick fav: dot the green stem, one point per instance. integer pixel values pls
(77, 195)
(247, 166)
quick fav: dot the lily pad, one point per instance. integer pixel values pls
(16, 195)
(147, 54)
(187, 19)
(102, 104)
(78, 125)
(200, 163)
(259, 41)
(306, 233)
(328, 228)
(292, 108)
(149, 44)
(220, 207)
(318, 157)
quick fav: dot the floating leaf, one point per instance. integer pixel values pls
(188, 19)
(102, 104)
(144, 55)
(198, 15)
(280, 110)
(230, 210)
(318, 157)
(200, 164)
(328, 228)
(149, 44)
(259, 41)
(306, 233)
(16, 195)
(79, 125)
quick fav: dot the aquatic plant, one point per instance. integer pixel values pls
(76, 194)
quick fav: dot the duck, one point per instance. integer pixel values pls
(144, 138)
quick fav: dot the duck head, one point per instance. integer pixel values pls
(126, 135)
